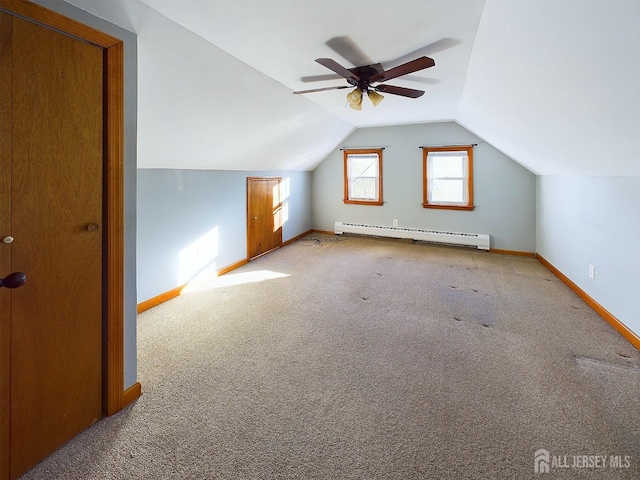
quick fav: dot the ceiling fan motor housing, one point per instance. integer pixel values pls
(367, 74)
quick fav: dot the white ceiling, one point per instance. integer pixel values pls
(282, 38)
(553, 84)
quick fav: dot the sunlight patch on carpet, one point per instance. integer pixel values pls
(200, 284)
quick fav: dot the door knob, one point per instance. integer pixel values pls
(13, 280)
(92, 227)
(8, 239)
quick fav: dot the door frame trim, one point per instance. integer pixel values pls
(113, 200)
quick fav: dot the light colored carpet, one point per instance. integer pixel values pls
(370, 359)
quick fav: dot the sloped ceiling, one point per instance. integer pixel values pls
(555, 85)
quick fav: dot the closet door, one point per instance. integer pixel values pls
(264, 215)
(5, 229)
(54, 320)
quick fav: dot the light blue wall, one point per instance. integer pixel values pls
(504, 191)
(594, 220)
(130, 163)
(190, 221)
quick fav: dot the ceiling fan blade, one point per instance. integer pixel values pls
(418, 79)
(320, 78)
(347, 49)
(409, 67)
(339, 69)
(323, 89)
(402, 91)
(434, 47)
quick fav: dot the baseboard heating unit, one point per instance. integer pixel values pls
(478, 240)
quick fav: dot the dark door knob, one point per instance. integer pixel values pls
(13, 280)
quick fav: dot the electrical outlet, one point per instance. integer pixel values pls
(592, 272)
(395, 222)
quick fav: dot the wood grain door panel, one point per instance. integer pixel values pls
(111, 223)
(56, 192)
(264, 224)
(6, 34)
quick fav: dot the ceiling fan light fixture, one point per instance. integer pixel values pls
(375, 97)
(354, 98)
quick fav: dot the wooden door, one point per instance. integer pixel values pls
(5, 229)
(55, 199)
(264, 215)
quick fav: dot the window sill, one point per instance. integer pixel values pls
(362, 202)
(449, 207)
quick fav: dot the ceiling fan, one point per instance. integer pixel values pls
(363, 79)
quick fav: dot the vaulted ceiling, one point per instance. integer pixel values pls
(553, 84)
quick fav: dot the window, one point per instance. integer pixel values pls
(363, 177)
(448, 177)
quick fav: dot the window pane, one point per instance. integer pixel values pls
(447, 191)
(449, 166)
(364, 188)
(363, 165)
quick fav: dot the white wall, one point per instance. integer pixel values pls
(504, 191)
(191, 221)
(594, 220)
